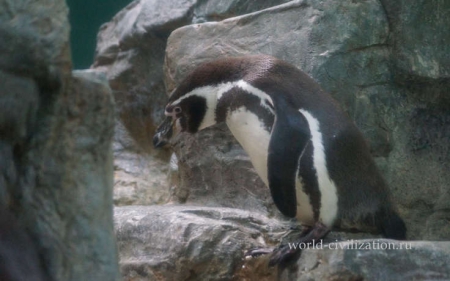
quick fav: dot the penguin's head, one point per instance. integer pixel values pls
(192, 104)
(184, 113)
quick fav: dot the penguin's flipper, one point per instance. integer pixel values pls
(289, 137)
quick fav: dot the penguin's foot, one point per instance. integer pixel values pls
(292, 251)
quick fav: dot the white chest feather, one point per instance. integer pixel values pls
(249, 131)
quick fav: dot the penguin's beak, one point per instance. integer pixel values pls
(163, 133)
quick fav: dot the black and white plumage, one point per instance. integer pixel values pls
(302, 145)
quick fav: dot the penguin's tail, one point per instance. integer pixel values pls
(392, 226)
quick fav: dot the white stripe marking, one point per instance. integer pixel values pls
(225, 88)
(305, 212)
(213, 93)
(256, 92)
(328, 191)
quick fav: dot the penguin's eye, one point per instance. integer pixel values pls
(173, 112)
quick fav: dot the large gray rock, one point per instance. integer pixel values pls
(87, 138)
(379, 259)
(214, 170)
(354, 58)
(188, 243)
(130, 51)
(423, 56)
(44, 19)
(55, 149)
(201, 243)
(18, 254)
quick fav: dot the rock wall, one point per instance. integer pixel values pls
(386, 62)
(55, 152)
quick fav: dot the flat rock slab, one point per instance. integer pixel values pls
(188, 243)
(179, 242)
(366, 260)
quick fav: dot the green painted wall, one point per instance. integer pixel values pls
(86, 17)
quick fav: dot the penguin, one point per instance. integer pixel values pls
(301, 143)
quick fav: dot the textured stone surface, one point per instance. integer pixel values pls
(55, 146)
(130, 51)
(200, 243)
(18, 254)
(214, 170)
(139, 179)
(46, 19)
(420, 261)
(63, 188)
(187, 243)
(87, 187)
(423, 56)
(359, 67)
